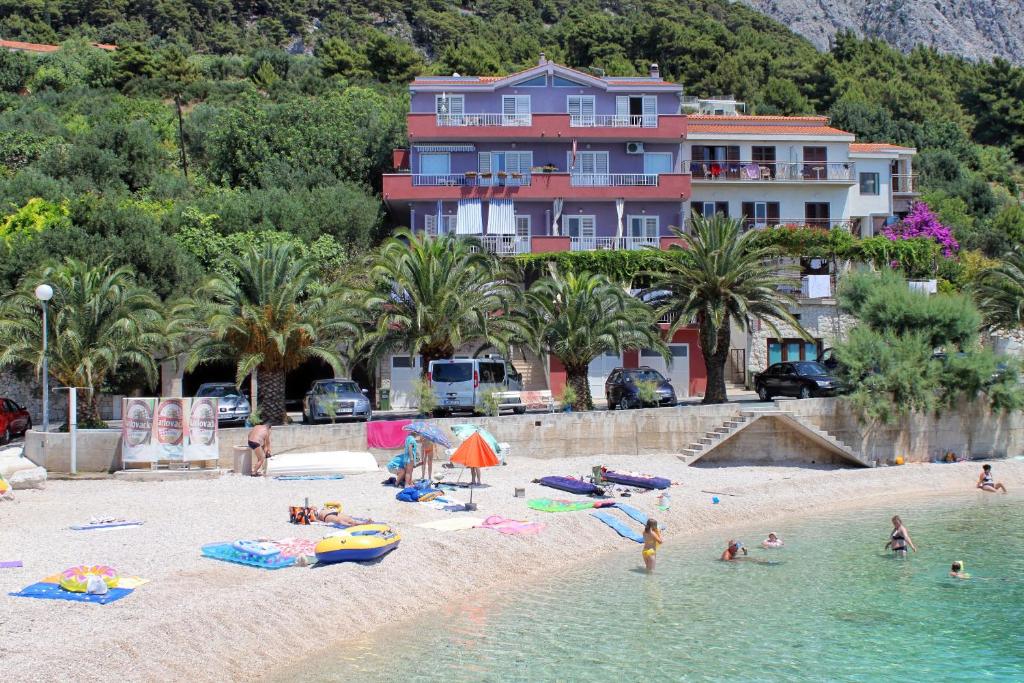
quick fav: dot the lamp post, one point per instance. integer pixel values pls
(44, 293)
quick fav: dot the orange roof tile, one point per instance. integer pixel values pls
(877, 147)
(718, 128)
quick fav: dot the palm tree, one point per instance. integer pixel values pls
(999, 292)
(268, 314)
(718, 278)
(579, 317)
(431, 295)
(99, 321)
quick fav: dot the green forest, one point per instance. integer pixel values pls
(220, 123)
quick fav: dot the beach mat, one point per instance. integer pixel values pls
(106, 525)
(620, 527)
(453, 523)
(570, 485)
(11, 564)
(638, 515)
(508, 526)
(309, 477)
(549, 505)
(44, 590)
(226, 552)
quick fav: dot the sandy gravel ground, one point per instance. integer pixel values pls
(201, 619)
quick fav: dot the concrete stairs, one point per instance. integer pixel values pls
(734, 425)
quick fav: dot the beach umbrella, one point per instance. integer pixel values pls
(474, 453)
(464, 431)
(429, 431)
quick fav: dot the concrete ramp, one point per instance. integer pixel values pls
(779, 419)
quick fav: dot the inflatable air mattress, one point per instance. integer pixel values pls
(569, 485)
(228, 553)
(325, 463)
(642, 482)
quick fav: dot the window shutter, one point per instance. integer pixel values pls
(586, 226)
(601, 163)
(575, 106)
(622, 106)
(485, 162)
(722, 208)
(508, 105)
(587, 106)
(651, 226)
(522, 226)
(650, 111)
(430, 224)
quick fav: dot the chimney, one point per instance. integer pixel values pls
(654, 71)
(543, 60)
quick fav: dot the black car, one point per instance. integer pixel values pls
(335, 399)
(803, 379)
(622, 388)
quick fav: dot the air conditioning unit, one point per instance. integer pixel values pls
(634, 148)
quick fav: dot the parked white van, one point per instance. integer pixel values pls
(459, 384)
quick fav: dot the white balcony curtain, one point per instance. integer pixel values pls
(556, 209)
(501, 217)
(440, 219)
(469, 218)
(620, 209)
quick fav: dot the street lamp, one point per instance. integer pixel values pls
(44, 293)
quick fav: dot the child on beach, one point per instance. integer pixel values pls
(957, 571)
(987, 483)
(773, 541)
(652, 539)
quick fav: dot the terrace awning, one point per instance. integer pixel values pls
(469, 218)
(501, 217)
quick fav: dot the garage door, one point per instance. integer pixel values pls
(598, 371)
(404, 371)
(678, 373)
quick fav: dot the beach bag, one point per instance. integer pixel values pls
(298, 514)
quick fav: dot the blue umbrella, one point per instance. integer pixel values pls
(430, 432)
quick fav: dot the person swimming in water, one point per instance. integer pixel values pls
(987, 483)
(773, 541)
(899, 539)
(956, 571)
(733, 550)
(652, 539)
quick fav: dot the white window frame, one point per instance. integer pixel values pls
(519, 114)
(704, 209)
(524, 225)
(584, 118)
(760, 214)
(451, 99)
(599, 174)
(448, 162)
(650, 225)
(447, 224)
(485, 163)
(579, 220)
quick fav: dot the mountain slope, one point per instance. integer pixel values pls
(975, 29)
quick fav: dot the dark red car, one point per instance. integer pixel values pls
(14, 420)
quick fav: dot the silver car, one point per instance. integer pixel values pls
(232, 406)
(335, 399)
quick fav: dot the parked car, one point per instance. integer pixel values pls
(459, 384)
(232, 405)
(335, 399)
(622, 388)
(803, 379)
(14, 420)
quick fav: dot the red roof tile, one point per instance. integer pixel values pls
(700, 127)
(745, 117)
(877, 147)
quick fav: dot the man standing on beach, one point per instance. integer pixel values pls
(259, 442)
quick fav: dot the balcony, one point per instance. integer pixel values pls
(812, 223)
(505, 245)
(613, 243)
(772, 171)
(548, 127)
(536, 186)
(904, 184)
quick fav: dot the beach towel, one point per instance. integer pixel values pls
(620, 527)
(511, 526)
(414, 494)
(11, 564)
(296, 547)
(52, 591)
(386, 433)
(105, 523)
(453, 523)
(309, 477)
(548, 505)
(445, 504)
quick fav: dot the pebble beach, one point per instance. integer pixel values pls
(199, 619)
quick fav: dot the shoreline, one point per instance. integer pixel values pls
(200, 619)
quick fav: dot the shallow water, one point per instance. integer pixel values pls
(830, 606)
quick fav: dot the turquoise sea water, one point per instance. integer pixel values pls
(831, 606)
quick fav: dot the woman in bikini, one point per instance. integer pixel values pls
(899, 539)
(987, 483)
(652, 539)
(334, 515)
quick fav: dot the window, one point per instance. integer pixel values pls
(401, 362)
(593, 166)
(435, 163)
(815, 159)
(536, 82)
(523, 226)
(765, 158)
(791, 350)
(869, 183)
(515, 110)
(337, 388)
(451, 372)
(450, 104)
(581, 110)
(446, 227)
(643, 226)
(581, 228)
(816, 214)
(637, 110)
(710, 209)
(656, 163)
(512, 163)
(492, 373)
(760, 214)
(560, 82)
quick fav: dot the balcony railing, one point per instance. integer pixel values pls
(772, 171)
(614, 179)
(479, 120)
(613, 120)
(506, 245)
(818, 223)
(610, 243)
(904, 184)
(471, 180)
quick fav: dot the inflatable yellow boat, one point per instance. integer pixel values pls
(357, 544)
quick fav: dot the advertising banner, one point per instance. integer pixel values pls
(169, 428)
(201, 430)
(137, 430)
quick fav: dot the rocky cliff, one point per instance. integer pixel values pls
(975, 29)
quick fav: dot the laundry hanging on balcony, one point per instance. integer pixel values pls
(469, 218)
(501, 217)
(620, 208)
